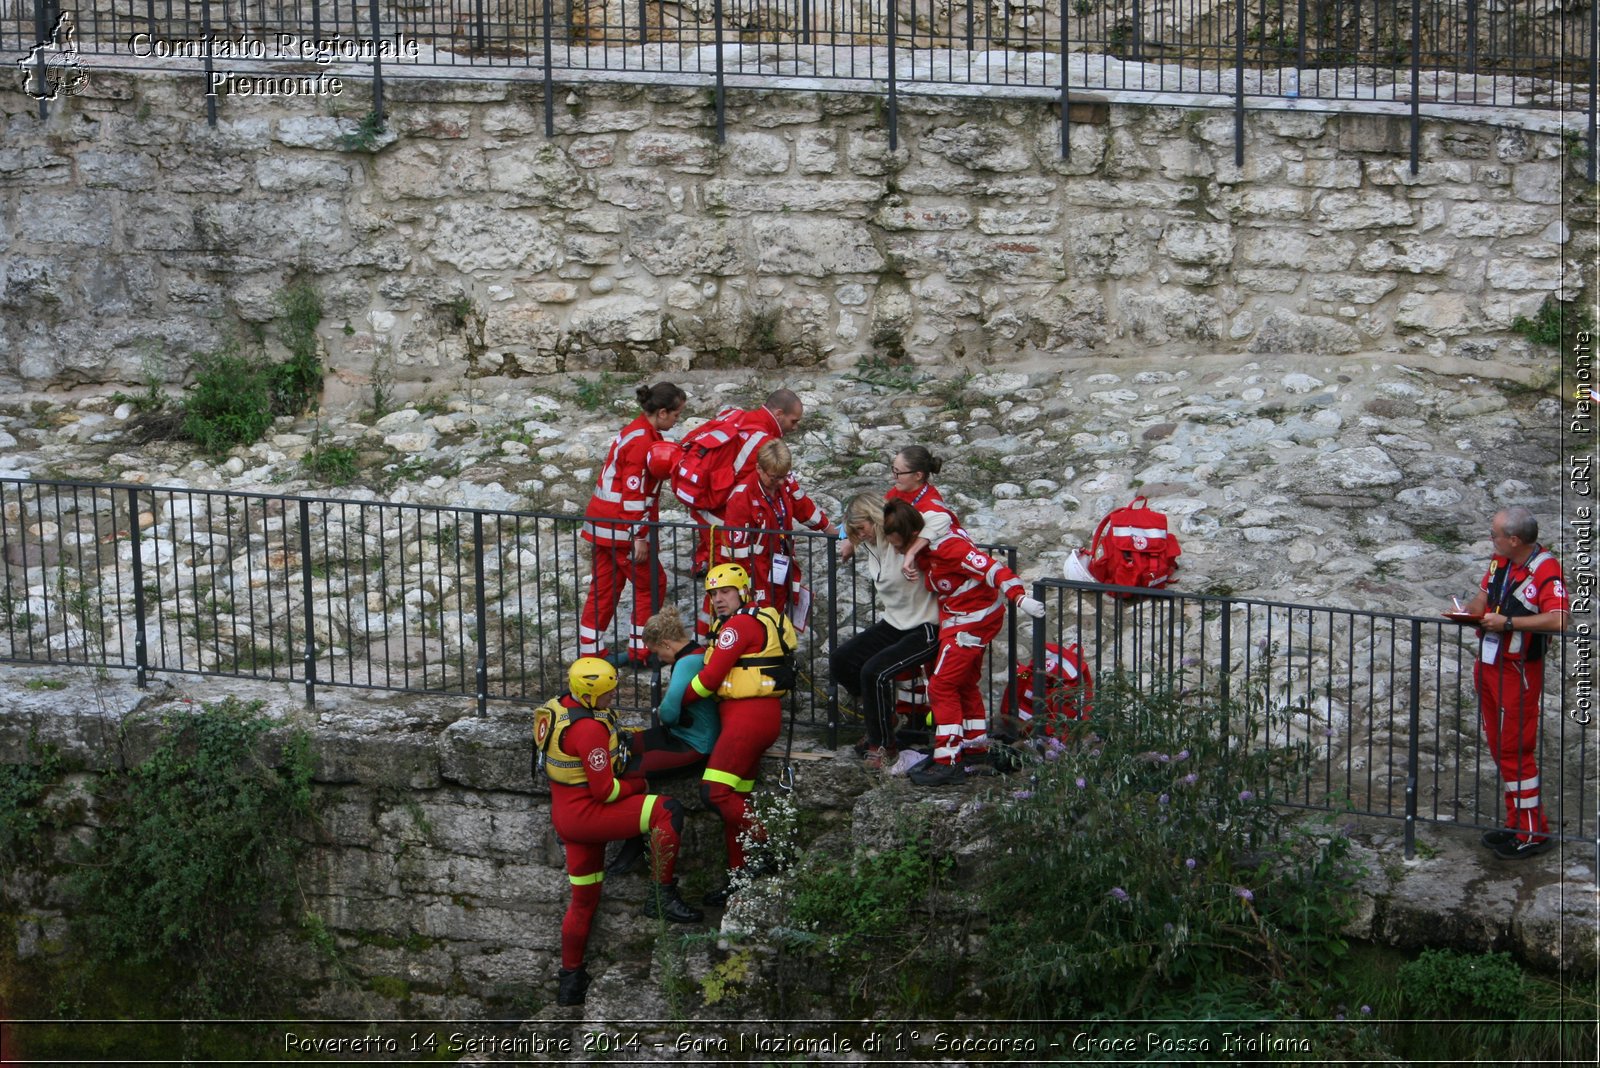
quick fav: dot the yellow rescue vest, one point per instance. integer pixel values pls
(550, 723)
(768, 673)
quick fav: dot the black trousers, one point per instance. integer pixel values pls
(867, 664)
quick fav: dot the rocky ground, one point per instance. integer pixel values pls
(1349, 481)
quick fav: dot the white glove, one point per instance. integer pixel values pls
(1030, 606)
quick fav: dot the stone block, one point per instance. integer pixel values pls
(537, 174)
(677, 245)
(33, 166)
(1360, 467)
(1381, 134)
(1295, 250)
(631, 190)
(1207, 244)
(1350, 289)
(1496, 220)
(486, 754)
(1160, 318)
(1414, 257)
(116, 170)
(686, 153)
(1267, 282)
(1324, 173)
(758, 153)
(1070, 318)
(1520, 274)
(816, 151)
(1363, 211)
(1537, 183)
(65, 218)
(1106, 245)
(1269, 203)
(1284, 331)
(276, 174)
(428, 170)
(1390, 172)
(1018, 220)
(616, 319)
(979, 147)
(931, 217)
(1436, 314)
(798, 247)
(849, 198)
(479, 237)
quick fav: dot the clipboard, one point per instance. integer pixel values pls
(800, 607)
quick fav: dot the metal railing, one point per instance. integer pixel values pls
(1395, 53)
(484, 605)
(1383, 704)
(360, 594)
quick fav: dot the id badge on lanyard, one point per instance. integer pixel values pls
(780, 569)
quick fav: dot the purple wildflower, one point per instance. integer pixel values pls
(1366, 1010)
(1081, 782)
(1164, 758)
(1247, 795)
(1184, 755)
(1119, 893)
(1244, 893)
(1094, 752)
(1163, 799)
(1022, 795)
(1191, 864)
(1190, 779)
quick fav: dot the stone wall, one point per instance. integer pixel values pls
(462, 242)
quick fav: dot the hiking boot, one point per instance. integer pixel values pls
(571, 985)
(862, 746)
(933, 774)
(878, 759)
(1518, 848)
(1495, 839)
(629, 856)
(664, 903)
(716, 899)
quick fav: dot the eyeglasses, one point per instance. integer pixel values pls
(896, 472)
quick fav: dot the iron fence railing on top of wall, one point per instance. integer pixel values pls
(484, 606)
(1538, 55)
(1383, 704)
(353, 593)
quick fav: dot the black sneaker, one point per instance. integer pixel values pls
(629, 857)
(716, 899)
(665, 904)
(1495, 839)
(932, 774)
(571, 985)
(1518, 848)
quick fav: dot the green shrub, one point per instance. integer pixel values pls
(1144, 859)
(194, 855)
(334, 465)
(229, 404)
(23, 819)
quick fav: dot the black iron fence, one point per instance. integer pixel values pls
(362, 594)
(1383, 705)
(484, 606)
(1389, 54)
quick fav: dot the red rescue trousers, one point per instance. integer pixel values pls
(585, 826)
(1508, 699)
(749, 727)
(960, 719)
(613, 569)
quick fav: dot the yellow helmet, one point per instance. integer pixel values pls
(589, 679)
(728, 576)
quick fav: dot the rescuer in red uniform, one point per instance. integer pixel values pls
(1522, 592)
(583, 752)
(749, 667)
(626, 499)
(770, 499)
(972, 588)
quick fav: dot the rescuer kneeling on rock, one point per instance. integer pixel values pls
(583, 752)
(750, 667)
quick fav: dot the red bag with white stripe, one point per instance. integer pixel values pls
(1068, 691)
(1132, 547)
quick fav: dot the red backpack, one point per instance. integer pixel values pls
(1132, 547)
(706, 468)
(1068, 693)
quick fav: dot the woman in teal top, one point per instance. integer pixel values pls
(687, 731)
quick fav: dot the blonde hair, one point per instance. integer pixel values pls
(864, 508)
(665, 627)
(775, 458)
